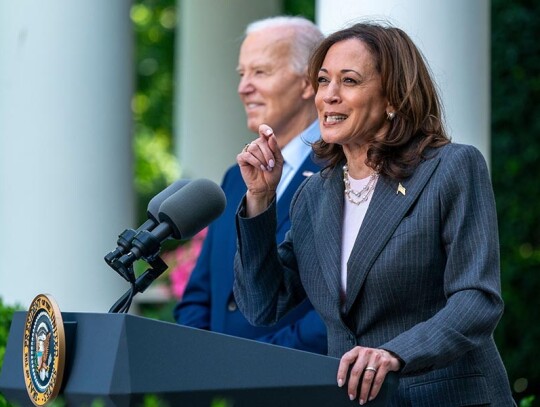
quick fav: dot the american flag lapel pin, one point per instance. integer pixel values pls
(401, 189)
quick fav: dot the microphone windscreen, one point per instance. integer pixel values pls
(156, 201)
(192, 208)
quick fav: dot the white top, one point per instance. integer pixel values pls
(295, 153)
(353, 216)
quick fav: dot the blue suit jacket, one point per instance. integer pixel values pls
(208, 301)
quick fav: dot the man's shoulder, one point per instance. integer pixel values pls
(232, 170)
(232, 175)
(233, 182)
(311, 163)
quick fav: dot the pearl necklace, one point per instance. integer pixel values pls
(357, 197)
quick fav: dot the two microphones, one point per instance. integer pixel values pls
(179, 212)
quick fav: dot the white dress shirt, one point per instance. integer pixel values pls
(295, 153)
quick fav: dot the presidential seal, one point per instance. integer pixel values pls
(43, 350)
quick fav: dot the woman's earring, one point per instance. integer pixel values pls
(390, 115)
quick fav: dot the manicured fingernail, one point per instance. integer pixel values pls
(340, 382)
(269, 168)
(361, 402)
(271, 163)
(268, 132)
(263, 167)
(351, 397)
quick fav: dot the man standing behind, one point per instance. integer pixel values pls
(275, 90)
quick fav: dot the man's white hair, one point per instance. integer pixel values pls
(306, 37)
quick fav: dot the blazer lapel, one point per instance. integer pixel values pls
(390, 202)
(327, 220)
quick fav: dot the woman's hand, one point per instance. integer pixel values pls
(369, 367)
(261, 164)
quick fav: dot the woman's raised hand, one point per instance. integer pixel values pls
(261, 164)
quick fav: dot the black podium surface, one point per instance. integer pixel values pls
(121, 358)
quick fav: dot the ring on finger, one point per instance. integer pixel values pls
(244, 150)
(371, 368)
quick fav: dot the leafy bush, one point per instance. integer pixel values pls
(527, 401)
(6, 316)
(515, 76)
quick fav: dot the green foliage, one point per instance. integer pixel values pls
(156, 166)
(304, 8)
(222, 402)
(151, 400)
(6, 316)
(515, 155)
(161, 312)
(527, 402)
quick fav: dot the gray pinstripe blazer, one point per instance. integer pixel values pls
(423, 276)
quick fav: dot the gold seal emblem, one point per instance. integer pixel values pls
(43, 350)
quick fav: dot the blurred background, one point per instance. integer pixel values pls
(103, 104)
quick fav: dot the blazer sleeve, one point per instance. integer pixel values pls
(194, 308)
(257, 263)
(306, 333)
(267, 285)
(469, 236)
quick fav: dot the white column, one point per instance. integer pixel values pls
(210, 124)
(65, 149)
(454, 37)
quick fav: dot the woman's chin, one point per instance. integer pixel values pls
(330, 138)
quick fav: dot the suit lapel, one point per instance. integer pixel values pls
(327, 220)
(235, 190)
(308, 167)
(387, 208)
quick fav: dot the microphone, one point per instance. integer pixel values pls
(181, 216)
(125, 239)
(156, 201)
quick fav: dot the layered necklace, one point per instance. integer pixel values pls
(357, 197)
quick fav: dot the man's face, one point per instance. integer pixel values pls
(269, 88)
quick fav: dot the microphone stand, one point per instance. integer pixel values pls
(157, 267)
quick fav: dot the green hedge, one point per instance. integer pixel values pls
(515, 77)
(6, 315)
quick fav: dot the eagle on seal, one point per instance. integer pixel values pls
(42, 353)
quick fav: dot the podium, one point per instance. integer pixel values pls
(121, 358)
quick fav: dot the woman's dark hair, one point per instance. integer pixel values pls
(407, 83)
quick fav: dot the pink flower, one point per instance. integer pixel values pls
(182, 261)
